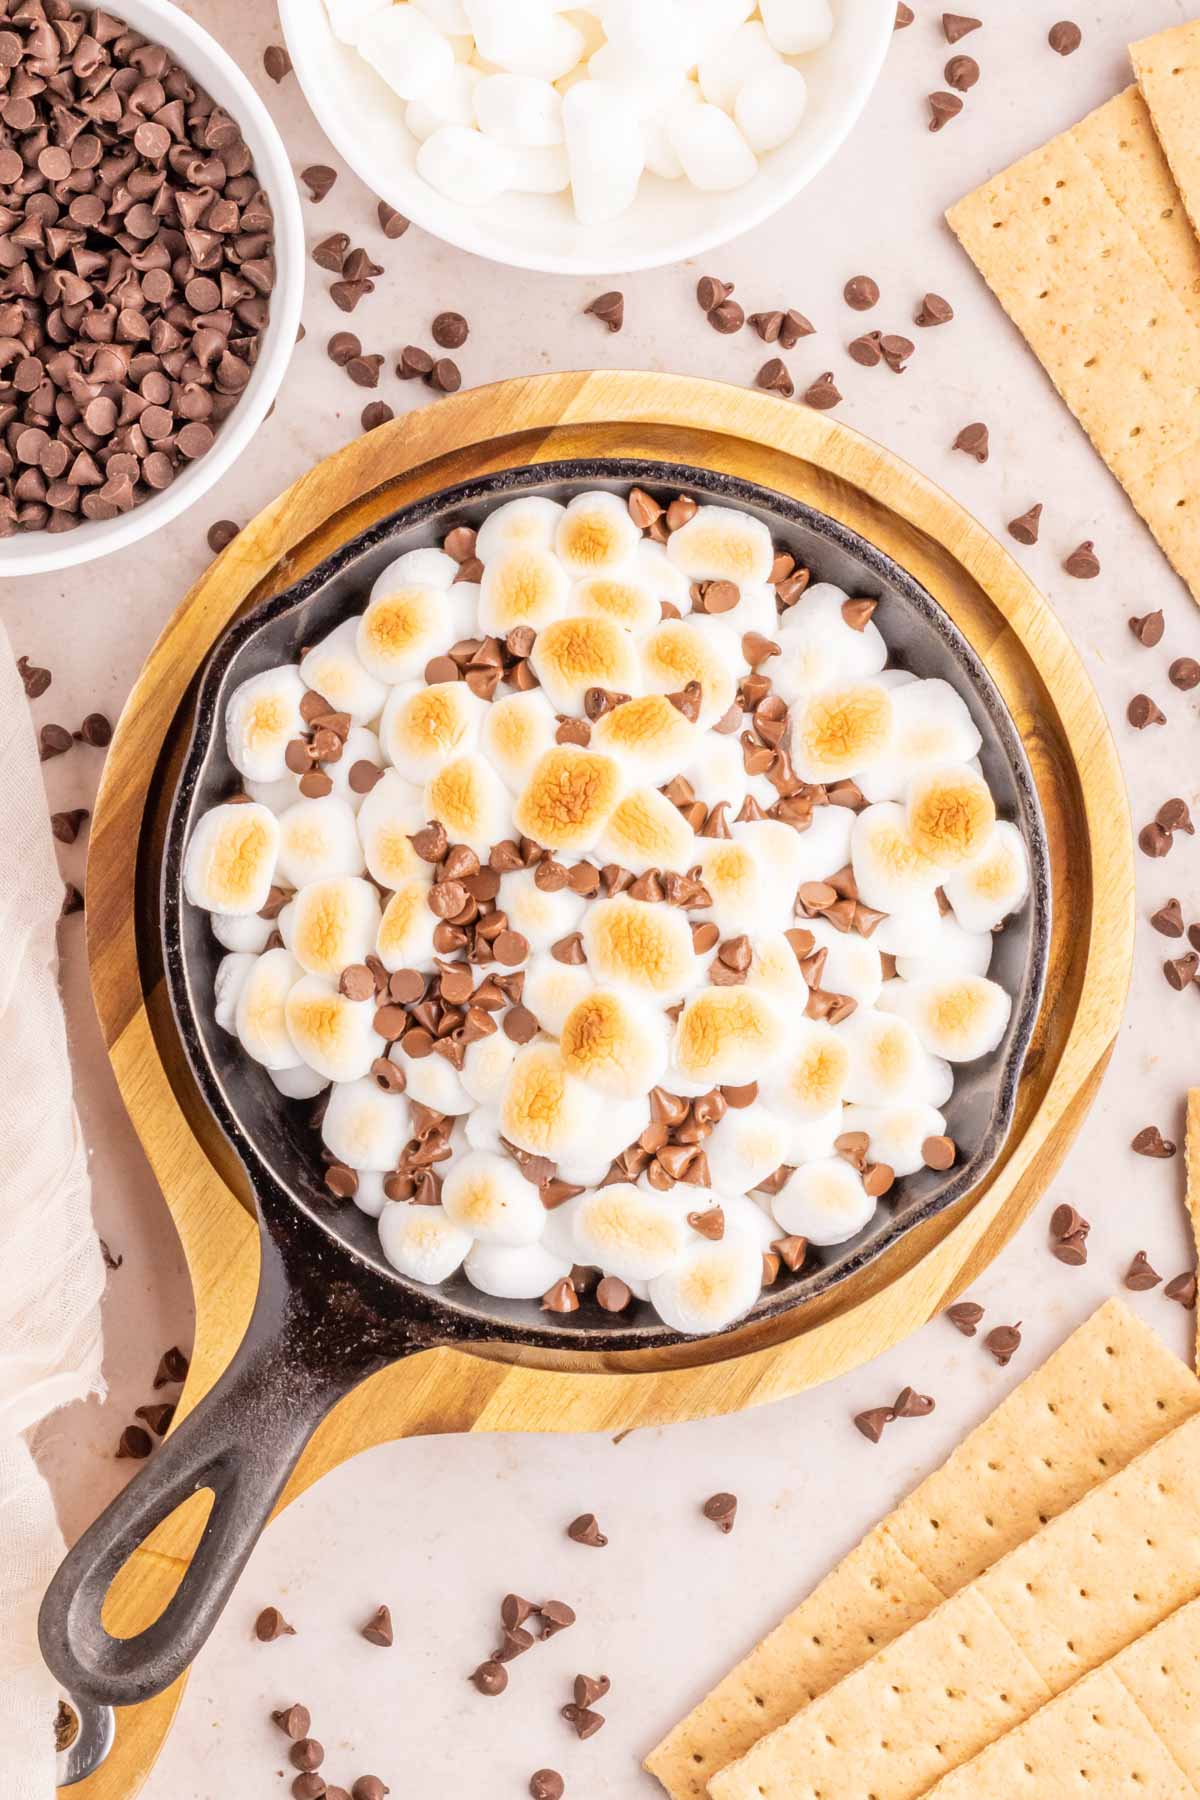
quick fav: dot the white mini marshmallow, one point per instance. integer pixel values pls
(482, 1128)
(818, 649)
(364, 1127)
(447, 16)
(809, 1140)
(405, 936)
(300, 1083)
(242, 931)
(896, 1133)
(605, 151)
(931, 725)
(769, 107)
(653, 32)
(348, 18)
(485, 1071)
(424, 728)
(613, 1128)
(960, 1017)
(746, 1146)
(719, 543)
(891, 872)
(717, 772)
(232, 971)
(523, 584)
(230, 861)
(333, 1035)
(553, 988)
(517, 731)
(369, 1196)
(824, 1202)
(421, 1241)
(786, 855)
(628, 1232)
(951, 951)
(540, 915)
(361, 746)
(471, 801)
(317, 840)
(488, 1196)
(406, 50)
(450, 101)
(775, 967)
(519, 110)
(525, 37)
(711, 23)
(276, 796)
(463, 165)
(506, 1274)
(995, 884)
(666, 581)
(261, 719)
(538, 169)
(852, 964)
(431, 1081)
(797, 26)
(525, 524)
(714, 154)
(712, 1284)
(732, 62)
(426, 566)
(387, 820)
(332, 669)
(260, 1017)
(331, 924)
(887, 1063)
(913, 931)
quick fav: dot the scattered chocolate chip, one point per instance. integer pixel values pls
(1150, 1141)
(774, 377)
(1139, 1276)
(546, 1784)
(393, 224)
(965, 1315)
(1180, 971)
(222, 534)
(861, 293)
(896, 351)
(609, 309)
(276, 62)
(378, 1628)
(792, 327)
(612, 1294)
(1065, 37)
(561, 1298)
(908, 1404)
(53, 740)
(364, 370)
(374, 414)
(66, 825)
(712, 292)
(555, 1616)
(727, 318)
(293, 1721)
(342, 348)
(722, 1510)
(110, 1261)
(1173, 815)
(310, 1786)
(943, 107)
(1026, 526)
(173, 1366)
(414, 362)
(158, 1416)
(586, 1723)
(318, 178)
(871, 1423)
(933, 310)
(72, 900)
(585, 1530)
(134, 1442)
(1143, 711)
(962, 72)
(938, 1153)
(1148, 629)
(445, 376)
(490, 1678)
(1184, 673)
(34, 680)
(973, 439)
(307, 1754)
(1066, 1222)
(1083, 563)
(1154, 841)
(1004, 1341)
(1168, 919)
(904, 15)
(95, 731)
(1183, 1289)
(271, 1624)
(1070, 1249)
(957, 25)
(367, 1787)
(865, 350)
(449, 331)
(823, 393)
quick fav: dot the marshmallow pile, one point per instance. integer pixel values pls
(532, 96)
(621, 910)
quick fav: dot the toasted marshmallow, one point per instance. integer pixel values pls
(950, 815)
(579, 652)
(361, 745)
(232, 971)
(422, 1241)
(423, 567)
(508, 1274)
(364, 1127)
(568, 798)
(471, 801)
(424, 728)
(242, 931)
(387, 820)
(523, 585)
(616, 1042)
(817, 649)
(628, 1232)
(722, 544)
(746, 1146)
(824, 1202)
(624, 597)
(259, 1017)
(489, 1197)
(949, 951)
(649, 738)
(912, 931)
(641, 945)
(895, 1134)
(318, 839)
(300, 1083)
(647, 832)
(525, 524)
(728, 1036)
(595, 535)
(540, 916)
(711, 1285)
(261, 719)
(331, 924)
(231, 856)
(931, 727)
(841, 730)
(552, 988)
(891, 872)
(405, 936)
(517, 731)
(739, 885)
(333, 670)
(887, 1063)
(994, 885)
(333, 1035)
(545, 1110)
(959, 1017)
(852, 963)
(666, 581)
(405, 625)
(683, 650)
(431, 1081)
(485, 1071)
(813, 1076)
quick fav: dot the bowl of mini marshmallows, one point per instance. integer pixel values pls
(152, 278)
(600, 138)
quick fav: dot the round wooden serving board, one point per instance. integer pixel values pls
(795, 451)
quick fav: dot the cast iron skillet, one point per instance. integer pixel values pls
(330, 1309)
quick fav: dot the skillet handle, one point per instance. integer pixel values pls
(242, 1441)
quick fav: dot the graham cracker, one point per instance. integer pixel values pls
(1167, 67)
(1111, 1390)
(1191, 1164)
(1086, 245)
(1091, 1582)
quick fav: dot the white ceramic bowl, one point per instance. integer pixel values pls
(670, 220)
(34, 552)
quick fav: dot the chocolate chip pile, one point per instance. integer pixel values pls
(136, 267)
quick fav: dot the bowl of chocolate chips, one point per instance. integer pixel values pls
(151, 273)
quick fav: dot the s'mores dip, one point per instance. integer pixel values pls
(620, 915)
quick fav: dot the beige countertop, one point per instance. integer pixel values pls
(441, 1528)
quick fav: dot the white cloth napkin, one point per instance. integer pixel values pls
(51, 1269)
